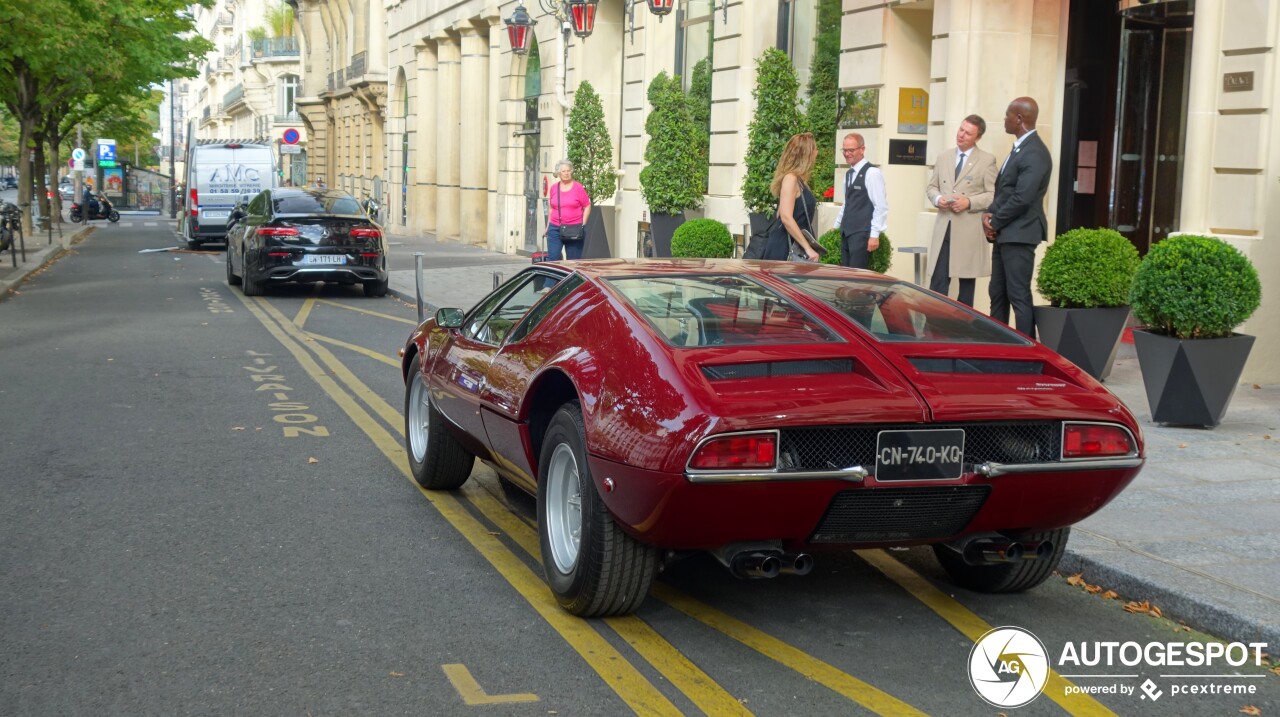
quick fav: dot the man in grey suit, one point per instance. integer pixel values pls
(1015, 221)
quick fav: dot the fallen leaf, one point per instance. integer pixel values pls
(1275, 670)
(397, 674)
(1076, 579)
(1134, 606)
(1182, 445)
(1093, 589)
(494, 532)
(1110, 595)
(313, 459)
(1250, 710)
(1155, 612)
(237, 428)
(1256, 386)
(1267, 437)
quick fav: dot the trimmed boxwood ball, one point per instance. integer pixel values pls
(880, 258)
(1088, 268)
(1194, 287)
(702, 238)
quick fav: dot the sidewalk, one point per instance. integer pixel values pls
(1192, 534)
(39, 251)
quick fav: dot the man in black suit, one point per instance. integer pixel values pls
(1015, 221)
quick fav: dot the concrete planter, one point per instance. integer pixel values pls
(1189, 382)
(599, 229)
(663, 227)
(1087, 338)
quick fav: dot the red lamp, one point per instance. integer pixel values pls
(520, 29)
(661, 7)
(583, 15)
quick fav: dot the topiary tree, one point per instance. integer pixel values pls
(776, 119)
(824, 93)
(1194, 287)
(590, 148)
(878, 262)
(702, 238)
(1088, 268)
(671, 180)
(699, 99)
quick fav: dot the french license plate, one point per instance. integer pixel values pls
(936, 454)
(217, 214)
(324, 259)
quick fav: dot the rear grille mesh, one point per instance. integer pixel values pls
(835, 447)
(881, 514)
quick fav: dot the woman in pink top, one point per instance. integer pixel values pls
(570, 207)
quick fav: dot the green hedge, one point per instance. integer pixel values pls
(1194, 287)
(880, 260)
(705, 238)
(1087, 268)
(672, 179)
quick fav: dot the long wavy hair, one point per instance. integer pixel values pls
(797, 159)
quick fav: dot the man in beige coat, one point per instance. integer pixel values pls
(962, 187)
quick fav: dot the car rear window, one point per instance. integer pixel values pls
(719, 311)
(315, 204)
(895, 311)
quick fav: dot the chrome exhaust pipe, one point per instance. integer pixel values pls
(796, 563)
(983, 551)
(756, 565)
(1037, 549)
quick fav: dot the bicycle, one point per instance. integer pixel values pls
(10, 225)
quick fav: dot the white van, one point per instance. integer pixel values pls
(218, 175)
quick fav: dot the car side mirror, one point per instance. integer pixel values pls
(237, 214)
(449, 318)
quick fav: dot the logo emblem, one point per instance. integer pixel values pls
(1008, 667)
(1152, 691)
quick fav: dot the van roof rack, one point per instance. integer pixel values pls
(207, 142)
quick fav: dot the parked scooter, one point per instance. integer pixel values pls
(105, 211)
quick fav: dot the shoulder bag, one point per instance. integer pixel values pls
(797, 252)
(568, 232)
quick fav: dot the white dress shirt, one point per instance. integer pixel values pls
(875, 191)
(961, 157)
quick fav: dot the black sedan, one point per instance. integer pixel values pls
(295, 234)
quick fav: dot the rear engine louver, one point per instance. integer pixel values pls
(965, 365)
(773, 369)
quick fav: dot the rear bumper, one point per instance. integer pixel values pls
(346, 274)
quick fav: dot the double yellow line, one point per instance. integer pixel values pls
(612, 666)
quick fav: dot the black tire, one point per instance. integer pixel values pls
(375, 289)
(232, 279)
(436, 459)
(607, 572)
(1005, 577)
(250, 286)
(114, 216)
(76, 216)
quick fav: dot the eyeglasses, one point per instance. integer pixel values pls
(854, 149)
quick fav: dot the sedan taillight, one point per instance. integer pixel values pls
(739, 451)
(365, 233)
(1095, 440)
(276, 232)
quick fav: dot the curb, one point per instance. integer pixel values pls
(1205, 615)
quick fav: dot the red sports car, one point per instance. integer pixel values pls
(760, 411)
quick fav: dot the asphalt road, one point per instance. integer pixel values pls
(207, 511)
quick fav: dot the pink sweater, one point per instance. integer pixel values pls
(568, 209)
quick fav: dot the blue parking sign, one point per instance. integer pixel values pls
(106, 152)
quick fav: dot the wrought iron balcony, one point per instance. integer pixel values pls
(275, 47)
(357, 66)
(226, 19)
(288, 118)
(330, 83)
(234, 95)
(340, 78)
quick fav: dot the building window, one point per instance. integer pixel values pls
(693, 41)
(288, 93)
(797, 31)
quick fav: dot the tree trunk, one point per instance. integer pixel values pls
(25, 126)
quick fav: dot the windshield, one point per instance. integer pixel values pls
(315, 203)
(719, 310)
(895, 311)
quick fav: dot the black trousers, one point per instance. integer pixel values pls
(940, 283)
(853, 250)
(1011, 267)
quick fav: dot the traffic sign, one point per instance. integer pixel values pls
(106, 150)
(290, 149)
(78, 154)
(291, 136)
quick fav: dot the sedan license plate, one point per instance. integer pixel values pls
(324, 259)
(217, 214)
(920, 454)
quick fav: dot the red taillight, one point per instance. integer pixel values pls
(740, 451)
(370, 255)
(365, 233)
(276, 232)
(278, 254)
(1092, 440)
(195, 202)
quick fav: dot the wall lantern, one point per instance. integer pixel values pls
(519, 29)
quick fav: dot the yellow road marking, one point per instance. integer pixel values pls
(357, 309)
(301, 319)
(473, 694)
(973, 627)
(811, 667)
(685, 676)
(613, 668)
(390, 361)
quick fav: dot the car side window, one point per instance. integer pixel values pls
(258, 206)
(476, 321)
(498, 325)
(554, 294)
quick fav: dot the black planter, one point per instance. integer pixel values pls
(599, 245)
(664, 227)
(1189, 382)
(1087, 338)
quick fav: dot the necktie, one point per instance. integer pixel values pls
(959, 164)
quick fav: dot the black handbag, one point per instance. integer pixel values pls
(797, 252)
(568, 232)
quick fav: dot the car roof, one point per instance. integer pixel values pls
(614, 268)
